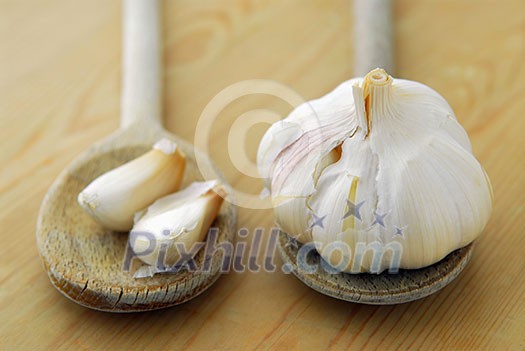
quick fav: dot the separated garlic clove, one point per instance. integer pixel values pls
(114, 197)
(403, 174)
(183, 218)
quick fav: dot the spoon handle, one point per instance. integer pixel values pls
(373, 36)
(142, 73)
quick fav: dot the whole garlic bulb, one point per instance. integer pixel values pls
(377, 160)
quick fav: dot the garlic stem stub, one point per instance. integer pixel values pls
(180, 219)
(376, 162)
(114, 197)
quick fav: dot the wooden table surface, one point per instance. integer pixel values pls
(59, 92)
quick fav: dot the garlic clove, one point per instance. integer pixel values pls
(275, 139)
(114, 197)
(313, 125)
(182, 218)
(304, 143)
(289, 209)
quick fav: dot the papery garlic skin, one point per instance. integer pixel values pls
(405, 163)
(182, 218)
(114, 197)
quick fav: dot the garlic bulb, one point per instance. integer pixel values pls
(181, 218)
(114, 197)
(378, 161)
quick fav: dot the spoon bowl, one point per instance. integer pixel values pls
(86, 262)
(374, 289)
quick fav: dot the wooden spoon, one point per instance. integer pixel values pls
(374, 49)
(85, 261)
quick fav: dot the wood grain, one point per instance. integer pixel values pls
(59, 92)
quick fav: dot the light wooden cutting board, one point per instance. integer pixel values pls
(59, 92)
